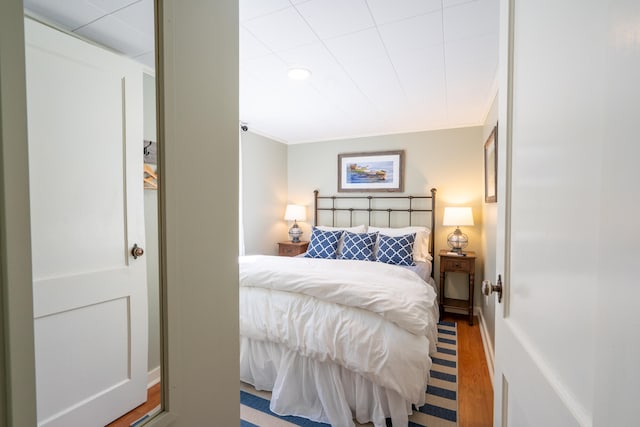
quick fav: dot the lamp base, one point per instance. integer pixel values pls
(457, 241)
(295, 232)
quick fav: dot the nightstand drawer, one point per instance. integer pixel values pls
(289, 251)
(461, 264)
(292, 249)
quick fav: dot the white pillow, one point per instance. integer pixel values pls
(421, 244)
(357, 229)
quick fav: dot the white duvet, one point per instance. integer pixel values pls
(373, 319)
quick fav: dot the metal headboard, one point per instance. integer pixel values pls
(370, 208)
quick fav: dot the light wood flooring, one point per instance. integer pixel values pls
(153, 400)
(475, 392)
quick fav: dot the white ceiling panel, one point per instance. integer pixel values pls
(385, 11)
(357, 47)
(378, 66)
(118, 35)
(139, 16)
(331, 18)
(250, 9)
(471, 19)
(314, 56)
(269, 69)
(281, 30)
(251, 47)
(415, 33)
(422, 74)
(377, 79)
(68, 14)
(478, 54)
(329, 77)
(110, 6)
(450, 3)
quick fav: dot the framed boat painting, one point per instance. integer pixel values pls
(380, 171)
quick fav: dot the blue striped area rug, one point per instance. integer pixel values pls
(440, 409)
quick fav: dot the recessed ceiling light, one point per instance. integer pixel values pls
(299, 73)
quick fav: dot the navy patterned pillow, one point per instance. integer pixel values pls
(358, 246)
(396, 250)
(323, 244)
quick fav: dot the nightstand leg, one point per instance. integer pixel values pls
(441, 295)
(471, 280)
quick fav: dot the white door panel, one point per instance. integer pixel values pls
(85, 161)
(80, 370)
(534, 398)
(547, 244)
(69, 175)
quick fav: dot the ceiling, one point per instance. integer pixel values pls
(378, 66)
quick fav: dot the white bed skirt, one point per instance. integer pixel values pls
(320, 391)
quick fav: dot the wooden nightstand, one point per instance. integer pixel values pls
(457, 264)
(292, 249)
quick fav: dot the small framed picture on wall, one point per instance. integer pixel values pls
(491, 167)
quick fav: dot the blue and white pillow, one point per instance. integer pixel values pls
(358, 246)
(323, 244)
(396, 250)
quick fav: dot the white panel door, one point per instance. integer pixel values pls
(549, 151)
(85, 167)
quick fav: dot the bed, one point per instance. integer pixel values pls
(344, 331)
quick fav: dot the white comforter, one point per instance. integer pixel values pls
(374, 319)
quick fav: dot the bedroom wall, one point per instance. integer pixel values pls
(264, 188)
(450, 160)
(151, 231)
(490, 218)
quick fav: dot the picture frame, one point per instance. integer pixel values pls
(491, 167)
(380, 171)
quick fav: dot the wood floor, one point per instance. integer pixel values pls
(475, 392)
(153, 400)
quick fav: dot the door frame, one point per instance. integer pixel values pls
(17, 357)
(192, 255)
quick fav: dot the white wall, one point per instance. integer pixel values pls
(490, 217)
(450, 160)
(264, 188)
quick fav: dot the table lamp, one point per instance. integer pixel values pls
(457, 216)
(295, 213)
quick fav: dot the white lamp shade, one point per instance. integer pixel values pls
(455, 216)
(295, 213)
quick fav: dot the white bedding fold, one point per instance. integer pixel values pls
(392, 292)
(375, 320)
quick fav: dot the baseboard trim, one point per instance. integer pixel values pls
(153, 377)
(488, 348)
